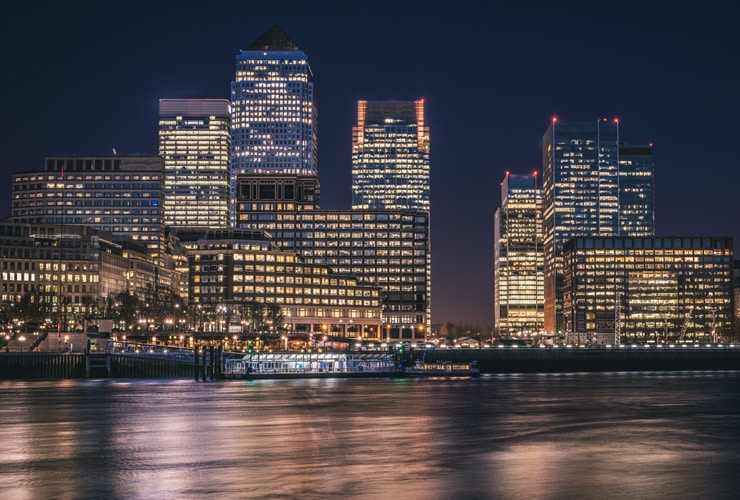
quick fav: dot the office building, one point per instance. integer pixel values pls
(47, 265)
(390, 156)
(518, 258)
(273, 110)
(123, 195)
(384, 248)
(194, 140)
(649, 289)
(636, 199)
(583, 197)
(232, 271)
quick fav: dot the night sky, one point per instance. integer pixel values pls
(84, 78)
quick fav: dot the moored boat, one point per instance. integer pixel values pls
(443, 369)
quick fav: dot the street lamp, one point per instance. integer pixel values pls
(21, 339)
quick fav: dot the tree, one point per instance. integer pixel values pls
(34, 308)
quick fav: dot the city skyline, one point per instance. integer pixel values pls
(668, 78)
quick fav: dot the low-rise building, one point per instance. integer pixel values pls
(649, 289)
(242, 275)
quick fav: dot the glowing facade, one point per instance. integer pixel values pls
(92, 267)
(194, 140)
(233, 268)
(385, 248)
(518, 257)
(390, 156)
(273, 110)
(580, 166)
(650, 289)
(123, 195)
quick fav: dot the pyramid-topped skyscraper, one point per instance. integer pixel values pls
(273, 110)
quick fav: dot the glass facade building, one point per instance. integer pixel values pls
(518, 258)
(390, 156)
(273, 110)
(384, 248)
(123, 195)
(649, 289)
(194, 140)
(636, 198)
(586, 194)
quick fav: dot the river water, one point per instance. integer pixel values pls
(565, 436)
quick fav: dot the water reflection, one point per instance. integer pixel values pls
(502, 436)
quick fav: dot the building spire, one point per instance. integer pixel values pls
(273, 39)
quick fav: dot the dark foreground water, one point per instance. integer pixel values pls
(664, 435)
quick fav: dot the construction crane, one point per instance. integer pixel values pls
(685, 325)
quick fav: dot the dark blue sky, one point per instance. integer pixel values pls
(86, 78)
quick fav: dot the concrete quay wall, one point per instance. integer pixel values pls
(593, 359)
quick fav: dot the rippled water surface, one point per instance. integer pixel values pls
(662, 435)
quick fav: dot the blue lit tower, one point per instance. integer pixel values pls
(390, 156)
(273, 110)
(580, 166)
(636, 199)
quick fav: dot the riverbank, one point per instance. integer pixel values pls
(20, 366)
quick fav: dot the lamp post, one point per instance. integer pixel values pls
(21, 339)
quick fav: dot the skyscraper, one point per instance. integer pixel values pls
(273, 110)
(518, 257)
(580, 166)
(636, 180)
(390, 156)
(194, 141)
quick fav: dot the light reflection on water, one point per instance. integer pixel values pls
(500, 436)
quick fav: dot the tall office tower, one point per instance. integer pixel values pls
(636, 180)
(273, 110)
(194, 140)
(119, 194)
(518, 258)
(580, 165)
(390, 156)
